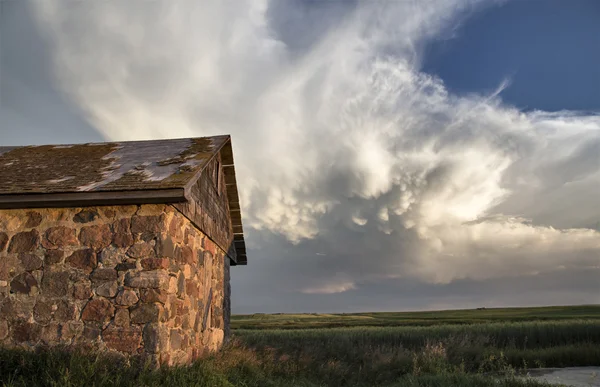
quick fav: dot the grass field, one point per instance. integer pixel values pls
(447, 348)
(468, 316)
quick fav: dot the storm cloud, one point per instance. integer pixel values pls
(355, 167)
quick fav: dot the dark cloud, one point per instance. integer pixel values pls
(33, 110)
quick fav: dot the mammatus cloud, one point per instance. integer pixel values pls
(367, 167)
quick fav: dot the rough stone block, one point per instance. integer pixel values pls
(52, 257)
(30, 261)
(156, 338)
(155, 263)
(50, 334)
(17, 308)
(55, 284)
(158, 279)
(122, 317)
(97, 237)
(146, 313)
(65, 311)
(86, 216)
(3, 241)
(59, 237)
(34, 219)
(122, 233)
(99, 310)
(24, 242)
(83, 259)
(146, 226)
(24, 283)
(26, 332)
(82, 290)
(154, 295)
(123, 339)
(103, 274)
(107, 289)
(141, 250)
(127, 298)
(3, 329)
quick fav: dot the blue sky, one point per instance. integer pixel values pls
(376, 167)
(549, 50)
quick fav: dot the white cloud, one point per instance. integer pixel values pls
(347, 135)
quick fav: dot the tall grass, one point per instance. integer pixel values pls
(445, 355)
(236, 365)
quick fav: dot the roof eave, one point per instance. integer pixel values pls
(92, 198)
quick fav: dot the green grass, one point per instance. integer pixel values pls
(459, 317)
(236, 365)
(454, 348)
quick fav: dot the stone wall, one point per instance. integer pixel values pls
(138, 280)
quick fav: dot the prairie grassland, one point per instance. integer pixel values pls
(466, 352)
(444, 317)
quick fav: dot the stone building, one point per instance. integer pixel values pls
(121, 247)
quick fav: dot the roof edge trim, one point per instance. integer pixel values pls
(95, 198)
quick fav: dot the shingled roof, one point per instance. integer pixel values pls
(113, 173)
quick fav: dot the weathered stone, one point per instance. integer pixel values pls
(172, 288)
(148, 279)
(52, 257)
(217, 317)
(127, 297)
(3, 329)
(97, 237)
(175, 339)
(191, 288)
(111, 256)
(82, 290)
(85, 216)
(109, 212)
(187, 256)
(91, 332)
(107, 289)
(26, 332)
(30, 261)
(124, 266)
(65, 311)
(3, 241)
(155, 263)
(42, 312)
(55, 284)
(185, 322)
(146, 313)
(34, 219)
(176, 228)
(14, 308)
(181, 285)
(165, 247)
(23, 283)
(103, 274)
(59, 237)
(83, 259)
(124, 339)
(71, 329)
(99, 310)
(207, 257)
(122, 233)
(50, 335)
(10, 266)
(122, 317)
(147, 226)
(154, 295)
(156, 338)
(141, 250)
(24, 242)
